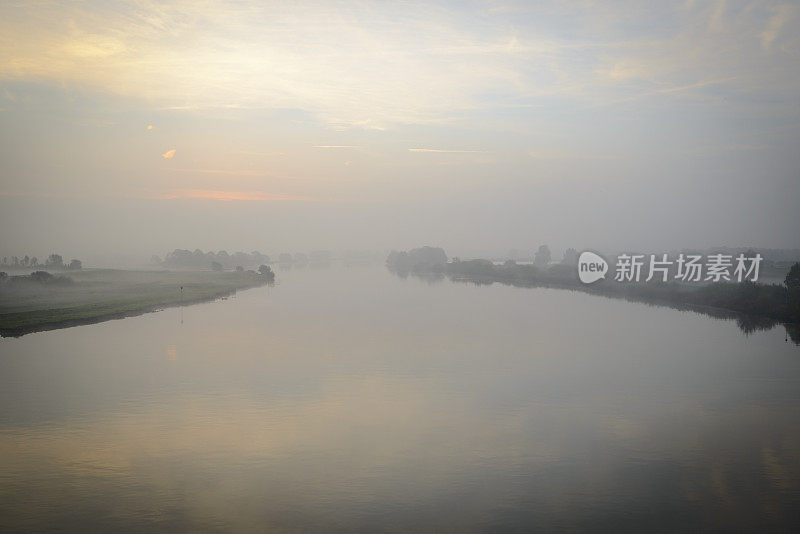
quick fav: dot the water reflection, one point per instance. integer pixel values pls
(347, 399)
(748, 324)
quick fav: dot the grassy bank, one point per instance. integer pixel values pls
(90, 296)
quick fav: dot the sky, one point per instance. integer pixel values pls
(139, 127)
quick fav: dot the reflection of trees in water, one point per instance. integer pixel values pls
(430, 278)
(793, 333)
(748, 324)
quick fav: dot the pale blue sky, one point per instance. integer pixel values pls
(478, 126)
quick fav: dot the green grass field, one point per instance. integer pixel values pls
(101, 294)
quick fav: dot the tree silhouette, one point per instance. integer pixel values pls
(55, 261)
(542, 256)
(266, 271)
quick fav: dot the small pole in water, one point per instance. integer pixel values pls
(181, 304)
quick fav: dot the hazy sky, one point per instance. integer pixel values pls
(139, 127)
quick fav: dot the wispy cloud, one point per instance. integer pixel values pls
(169, 154)
(282, 55)
(358, 66)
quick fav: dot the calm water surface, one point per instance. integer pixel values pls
(350, 399)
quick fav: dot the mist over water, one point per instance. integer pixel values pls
(347, 398)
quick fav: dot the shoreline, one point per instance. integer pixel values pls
(753, 306)
(14, 332)
(135, 301)
(706, 309)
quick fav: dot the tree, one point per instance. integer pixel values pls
(75, 265)
(54, 261)
(570, 257)
(793, 277)
(239, 269)
(542, 257)
(216, 266)
(26, 260)
(266, 272)
(34, 261)
(793, 290)
(424, 259)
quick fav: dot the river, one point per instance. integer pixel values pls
(349, 399)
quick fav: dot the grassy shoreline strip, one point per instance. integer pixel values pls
(50, 311)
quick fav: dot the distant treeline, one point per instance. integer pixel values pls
(207, 260)
(780, 302)
(52, 262)
(425, 259)
(198, 259)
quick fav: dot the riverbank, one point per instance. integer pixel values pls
(754, 306)
(96, 295)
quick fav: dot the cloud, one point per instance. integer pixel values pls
(374, 66)
(169, 154)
